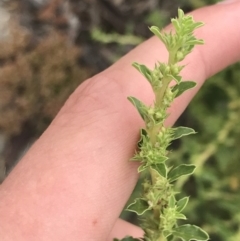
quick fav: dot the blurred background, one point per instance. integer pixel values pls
(48, 47)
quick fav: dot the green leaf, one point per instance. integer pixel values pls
(139, 206)
(142, 167)
(181, 170)
(180, 216)
(170, 238)
(180, 13)
(176, 24)
(182, 203)
(197, 25)
(142, 109)
(156, 31)
(177, 78)
(167, 233)
(161, 159)
(183, 86)
(146, 72)
(160, 168)
(143, 133)
(190, 232)
(128, 238)
(195, 42)
(182, 131)
(172, 201)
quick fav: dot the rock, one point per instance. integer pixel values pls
(2, 143)
(4, 23)
(2, 162)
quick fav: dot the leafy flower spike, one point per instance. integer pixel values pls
(158, 206)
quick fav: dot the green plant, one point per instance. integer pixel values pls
(106, 38)
(158, 205)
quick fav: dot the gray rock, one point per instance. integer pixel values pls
(2, 142)
(4, 23)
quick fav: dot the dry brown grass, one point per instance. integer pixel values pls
(35, 79)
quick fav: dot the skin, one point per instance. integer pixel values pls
(75, 180)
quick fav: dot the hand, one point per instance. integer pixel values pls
(74, 181)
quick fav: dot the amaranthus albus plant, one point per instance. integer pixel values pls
(158, 206)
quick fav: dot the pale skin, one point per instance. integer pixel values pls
(75, 180)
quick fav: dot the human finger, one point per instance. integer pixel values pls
(80, 178)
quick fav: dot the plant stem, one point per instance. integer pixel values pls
(154, 130)
(160, 95)
(171, 58)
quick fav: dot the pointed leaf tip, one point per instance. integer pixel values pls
(182, 203)
(141, 108)
(127, 238)
(190, 232)
(143, 134)
(144, 70)
(182, 131)
(160, 168)
(180, 13)
(181, 170)
(139, 206)
(156, 31)
(183, 86)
